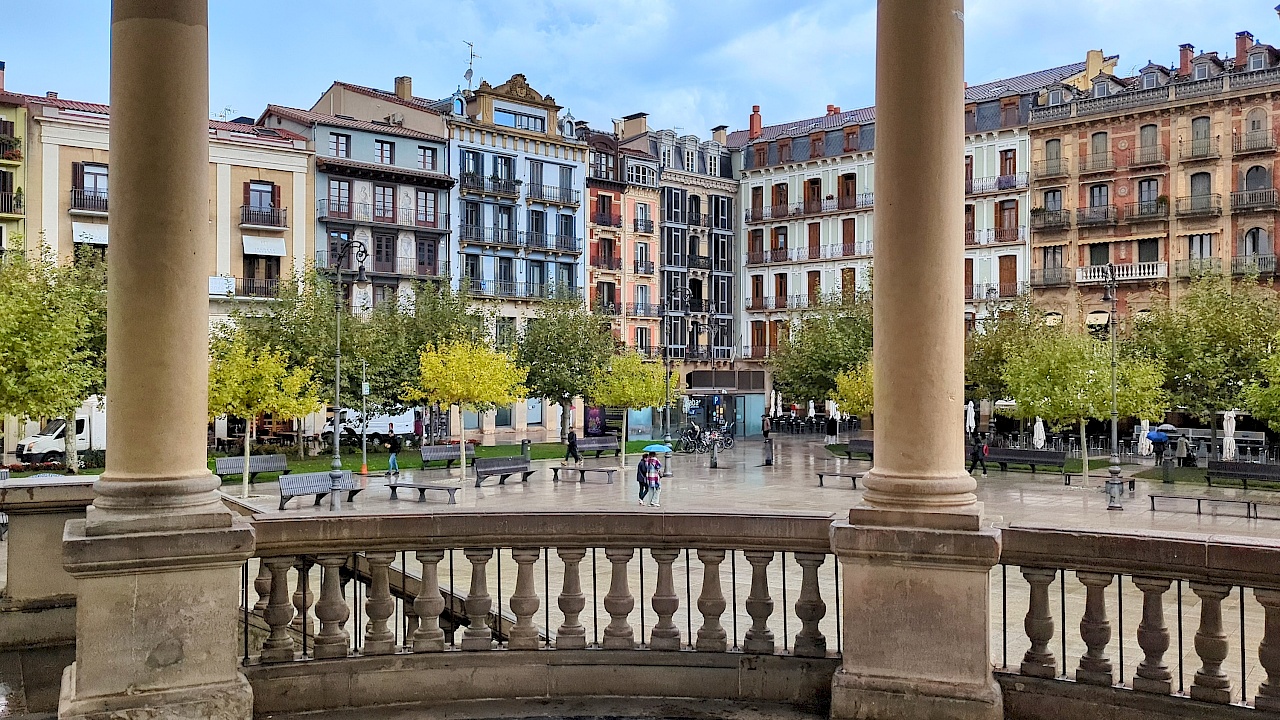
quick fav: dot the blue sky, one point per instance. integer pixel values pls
(691, 64)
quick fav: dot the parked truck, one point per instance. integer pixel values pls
(49, 443)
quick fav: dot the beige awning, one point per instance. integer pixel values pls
(1097, 317)
(271, 246)
(91, 233)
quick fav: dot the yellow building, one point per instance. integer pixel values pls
(13, 168)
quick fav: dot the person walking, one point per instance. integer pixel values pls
(978, 456)
(393, 444)
(654, 475)
(571, 449)
(833, 427)
(766, 426)
(642, 475)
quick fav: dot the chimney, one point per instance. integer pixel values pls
(1185, 53)
(720, 134)
(51, 95)
(635, 124)
(831, 109)
(1244, 41)
(838, 110)
(1, 76)
(617, 128)
(1093, 64)
(404, 87)
(755, 126)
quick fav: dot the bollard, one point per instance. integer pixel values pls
(768, 452)
(526, 450)
(714, 459)
(1164, 465)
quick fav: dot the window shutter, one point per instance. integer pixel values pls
(275, 196)
(246, 202)
(77, 175)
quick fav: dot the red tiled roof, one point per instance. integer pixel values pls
(416, 102)
(310, 117)
(76, 105)
(326, 160)
(100, 109)
(255, 130)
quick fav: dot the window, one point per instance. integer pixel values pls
(261, 195)
(1148, 250)
(1008, 162)
(339, 145)
(851, 139)
(780, 238)
(691, 160)
(384, 252)
(1100, 89)
(848, 234)
(471, 269)
(1148, 140)
(1148, 191)
(757, 286)
(1200, 129)
(426, 253)
(816, 145)
(471, 216)
(1053, 200)
(504, 168)
(1257, 61)
(1254, 242)
(643, 339)
(505, 331)
(755, 241)
(1098, 143)
(426, 207)
(666, 156)
(383, 294)
(1202, 71)
(519, 121)
(762, 155)
(472, 163)
(1201, 184)
(642, 212)
(1257, 178)
(384, 203)
(94, 181)
(1099, 254)
(384, 151)
(1051, 257)
(713, 164)
(1009, 112)
(340, 198)
(1149, 80)
(426, 158)
(1099, 196)
(602, 165)
(1055, 97)
(1053, 149)
(640, 175)
(566, 180)
(784, 150)
(1255, 121)
(1200, 246)
(565, 226)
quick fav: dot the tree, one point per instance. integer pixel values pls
(247, 381)
(468, 374)
(1065, 378)
(855, 390)
(827, 341)
(630, 382)
(83, 285)
(988, 349)
(562, 348)
(1262, 395)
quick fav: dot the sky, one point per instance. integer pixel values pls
(690, 64)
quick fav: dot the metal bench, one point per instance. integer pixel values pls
(448, 453)
(1004, 457)
(861, 447)
(503, 467)
(582, 472)
(601, 444)
(1250, 505)
(1242, 471)
(234, 465)
(852, 476)
(422, 489)
(315, 483)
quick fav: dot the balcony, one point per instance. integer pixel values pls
(1199, 149)
(606, 262)
(1253, 265)
(1051, 168)
(221, 286)
(89, 201)
(1050, 219)
(1050, 277)
(555, 195)
(997, 291)
(260, 217)
(478, 234)
(12, 204)
(995, 236)
(512, 290)
(1153, 156)
(1095, 216)
(567, 244)
(1199, 205)
(402, 265)
(329, 210)
(694, 219)
(649, 310)
(1196, 267)
(1097, 163)
(1126, 272)
(642, 225)
(1146, 211)
(1249, 200)
(998, 183)
(10, 149)
(643, 267)
(606, 307)
(699, 262)
(476, 184)
(1254, 141)
(698, 305)
(607, 219)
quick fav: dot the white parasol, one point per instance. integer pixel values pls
(970, 417)
(1229, 435)
(1144, 443)
(810, 408)
(1037, 435)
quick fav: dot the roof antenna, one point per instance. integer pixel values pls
(470, 63)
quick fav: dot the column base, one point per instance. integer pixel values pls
(1156, 687)
(231, 700)
(870, 698)
(1095, 677)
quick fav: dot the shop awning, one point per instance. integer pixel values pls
(91, 233)
(1097, 317)
(272, 246)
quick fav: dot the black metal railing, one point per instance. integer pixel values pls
(644, 267)
(1096, 215)
(699, 262)
(92, 200)
(608, 219)
(1199, 148)
(1053, 167)
(568, 243)
(1254, 141)
(644, 310)
(11, 204)
(1254, 199)
(477, 183)
(642, 225)
(1147, 156)
(1098, 162)
(554, 194)
(606, 262)
(1050, 219)
(265, 217)
(1146, 210)
(257, 287)
(1050, 277)
(1210, 204)
(492, 235)
(409, 217)
(606, 307)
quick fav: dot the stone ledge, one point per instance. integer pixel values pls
(221, 701)
(1028, 698)
(89, 555)
(954, 548)
(29, 496)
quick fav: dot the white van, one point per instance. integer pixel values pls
(49, 444)
(352, 423)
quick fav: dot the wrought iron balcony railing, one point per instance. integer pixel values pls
(264, 217)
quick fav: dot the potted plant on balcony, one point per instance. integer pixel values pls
(1162, 203)
(13, 154)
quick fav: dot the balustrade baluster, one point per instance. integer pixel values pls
(665, 635)
(571, 635)
(810, 642)
(524, 601)
(1211, 684)
(332, 640)
(262, 584)
(279, 646)
(618, 602)
(1038, 661)
(759, 638)
(1095, 630)
(711, 636)
(478, 635)
(1153, 675)
(1268, 697)
(429, 637)
(379, 606)
(303, 597)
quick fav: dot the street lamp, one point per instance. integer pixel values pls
(349, 249)
(1114, 485)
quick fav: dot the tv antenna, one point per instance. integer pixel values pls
(471, 61)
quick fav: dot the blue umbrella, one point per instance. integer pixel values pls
(656, 447)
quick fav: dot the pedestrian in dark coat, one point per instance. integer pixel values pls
(571, 449)
(978, 456)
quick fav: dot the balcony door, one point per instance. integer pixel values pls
(1099, 196)
(1253, 243)
(1007, 221)
(1098, 144)
(642, 296)
(814, 282)
(968, 278)
(815, 240)
(1257, 178)
(1099, 254)
(757, 198)
(1008, 162)
(426, 252)
(848, 283)
(384, 203)
(1200, 246)
(1008, 269)
(813, 195)
(780, 287)
(384, 253)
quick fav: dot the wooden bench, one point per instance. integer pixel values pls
(315, 483)
(448, 453)
(1250, 505)
(1004, 457)
(582, 472)
(861, 447)
(852, 476)
(1242, 471)
(422, 489)
(234, 465)
(601, 444)
(503, 467)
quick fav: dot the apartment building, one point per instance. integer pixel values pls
(1162, 176)
(808, 191)
(13, 167)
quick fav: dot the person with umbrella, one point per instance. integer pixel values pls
(1160, 441)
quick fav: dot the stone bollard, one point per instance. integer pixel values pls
(768, 452)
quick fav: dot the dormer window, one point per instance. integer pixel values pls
(1149, 80)
(1100, 89)
(690, 161)
(666, 157)
(1055, 97)
(1257, 61)
(1202, 71)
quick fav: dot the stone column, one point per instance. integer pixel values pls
(920, 528)
(157, 558)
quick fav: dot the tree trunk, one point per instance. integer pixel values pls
(462, 442)
(302, 446)
(248, 442)
(70, 454)
(623, 440)
(1213, 435)
(1084, 455)
(566, 409)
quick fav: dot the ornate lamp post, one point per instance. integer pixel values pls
(349, 249)
(1115, 486)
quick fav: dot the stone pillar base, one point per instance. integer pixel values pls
(860, 697)
(221, 701)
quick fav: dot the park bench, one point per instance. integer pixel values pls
(861, 447)
(1242, 471)
(422, 489)
(503, 467)
(582, 472)
(234, 465)
(852, 476)
(601, 444)
(1250, 505)
(448, 453)
(1004, 457)
(315, 483)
